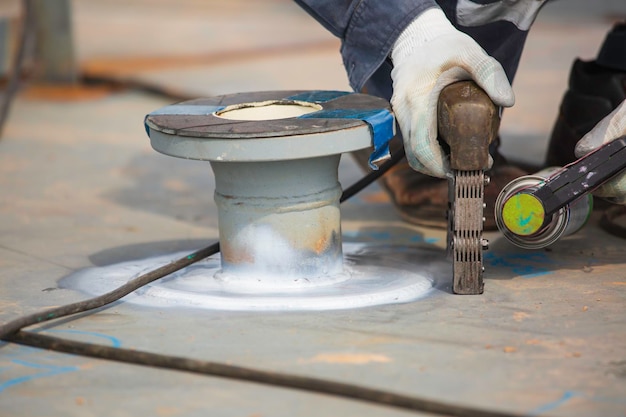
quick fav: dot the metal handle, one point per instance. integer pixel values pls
(468, 122)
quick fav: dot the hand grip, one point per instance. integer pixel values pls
(468, 122)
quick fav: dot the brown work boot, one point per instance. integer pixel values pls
(595, 89)
(423, 200)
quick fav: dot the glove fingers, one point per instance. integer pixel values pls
(423, 151)
(609, 128)
(416, 164)
(418, 80)
(614, 190)
(428, 156)
(490, 76)
(416, 116)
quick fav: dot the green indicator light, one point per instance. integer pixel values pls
(523, 214)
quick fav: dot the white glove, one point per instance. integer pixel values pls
(427, 56)
(611, 127)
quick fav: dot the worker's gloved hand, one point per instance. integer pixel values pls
(611, 127)
(427, 56)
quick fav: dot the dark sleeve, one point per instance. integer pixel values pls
(367, 29)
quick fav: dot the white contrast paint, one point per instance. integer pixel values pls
(374, 275)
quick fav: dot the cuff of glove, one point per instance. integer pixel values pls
(429, 25)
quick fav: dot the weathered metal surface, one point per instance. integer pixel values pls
(467, 241)
(546, 338)
(279, 220)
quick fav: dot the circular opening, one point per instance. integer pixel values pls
(552, 231)
(268, 110)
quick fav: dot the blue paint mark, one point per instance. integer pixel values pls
(115, 342)
(567, 395)
(47, 370)
(528, 265)
(422, 239)
(539, 257)
(379, 235)
(524, 221)
(521, 220)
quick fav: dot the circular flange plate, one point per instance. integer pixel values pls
(193, 130)
(377, 275)
(176, 122)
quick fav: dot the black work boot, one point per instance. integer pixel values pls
(423, 200)
(595, 89)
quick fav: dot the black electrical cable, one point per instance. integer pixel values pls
(13, 326)
(372, 176)
(252, 375)
(12, 332)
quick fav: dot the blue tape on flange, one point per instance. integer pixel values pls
(182, 110)
(319, 96)
(380, 121)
